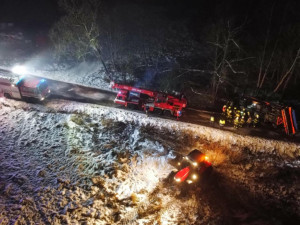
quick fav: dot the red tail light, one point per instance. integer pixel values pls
(182, 174)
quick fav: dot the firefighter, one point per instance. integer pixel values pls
(222, 122)
(224, 109)
(249, 120)
(212, 120)
(234, 110)
(242, 117)
(243, 112)
(236, 120)
(256, 120)
(147, 110)
(229, 114)
(242, 121)
(178, 114)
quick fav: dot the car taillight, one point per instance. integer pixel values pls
(182, 174)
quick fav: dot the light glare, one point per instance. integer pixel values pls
(19, 69)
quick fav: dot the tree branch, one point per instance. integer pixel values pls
(289, 71)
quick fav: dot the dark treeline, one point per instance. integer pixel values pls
(213, 48)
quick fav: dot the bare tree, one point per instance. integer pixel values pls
(285, 78)
(76, 35)
(226, 55)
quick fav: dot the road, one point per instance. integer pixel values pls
(80, 93)
(74, 92)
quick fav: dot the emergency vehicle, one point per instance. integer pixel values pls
(148, 100)
(26, 87)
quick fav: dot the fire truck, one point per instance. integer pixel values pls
(26, 87)
(148, 100)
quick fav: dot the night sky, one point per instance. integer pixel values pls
(39, 14)
(35, 14)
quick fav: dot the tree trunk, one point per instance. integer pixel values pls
(288, 72)
(103, 63)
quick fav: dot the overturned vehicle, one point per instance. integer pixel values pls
(191, 169)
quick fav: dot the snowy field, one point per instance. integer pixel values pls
(73, 163)
(71, 166)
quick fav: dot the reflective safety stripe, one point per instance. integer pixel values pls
(295, 120)
(291, 118)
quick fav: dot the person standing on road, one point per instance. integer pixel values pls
(147, 110)
(236, 121)
(249, 120)
(178, 114)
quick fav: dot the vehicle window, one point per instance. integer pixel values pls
(42, 87)
(27, 89)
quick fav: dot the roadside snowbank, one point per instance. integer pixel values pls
(224, 138)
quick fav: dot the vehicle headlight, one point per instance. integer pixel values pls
(18, 69)
(195, 164)
(42, 99)
(189, 181)
(177, 179)
(194, 176)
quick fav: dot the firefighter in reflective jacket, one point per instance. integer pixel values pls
(242, 121)
(229, 114)
(212, 119)
(256, 120)
(224, 109)
(236, 120)
(222, 122)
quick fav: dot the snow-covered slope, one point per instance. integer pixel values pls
(225, 138)
(60, 164)
(71, 163)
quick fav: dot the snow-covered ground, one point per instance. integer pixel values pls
(85, 73)
(66, 165)
(73, 163)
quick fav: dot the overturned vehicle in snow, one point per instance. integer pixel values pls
(191, 169)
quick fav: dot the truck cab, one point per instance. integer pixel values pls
(26, 87)
(32, 87)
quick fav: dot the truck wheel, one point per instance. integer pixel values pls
(158, 111)
(6, 95)
(168, 113)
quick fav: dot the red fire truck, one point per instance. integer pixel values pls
(149, 100)
(26, 87)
